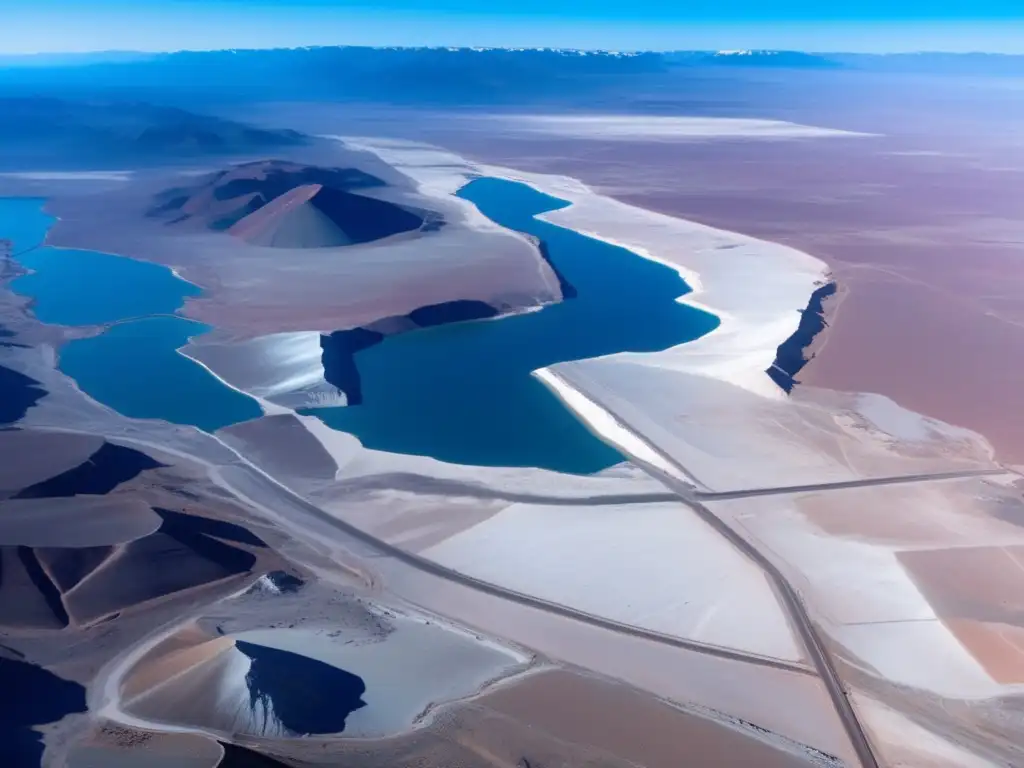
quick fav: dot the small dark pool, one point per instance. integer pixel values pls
(303, 694)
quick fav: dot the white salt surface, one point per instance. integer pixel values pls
(905, 744)
(654, 566)
(921, 654)
(864, 598)
(660, 128)
(283, 368)
(888, 417)
(603, 422)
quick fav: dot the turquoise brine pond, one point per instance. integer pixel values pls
(464, 393)
(460, 393)
(133, 366)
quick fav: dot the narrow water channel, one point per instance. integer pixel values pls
(463, 393)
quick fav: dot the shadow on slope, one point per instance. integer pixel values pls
(240, 757)
(106, 469)
(34, 696)
(18, 393)
(52, 587)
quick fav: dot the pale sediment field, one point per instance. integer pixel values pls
(114, 747)
(901, 741)
(912, 586)
(621, 721)
(425, 506)
(728, 688)
(654, 566)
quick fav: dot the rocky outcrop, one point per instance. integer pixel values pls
(792, 353)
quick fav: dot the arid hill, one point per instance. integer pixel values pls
(282, 204)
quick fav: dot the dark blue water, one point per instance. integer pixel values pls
(119, 288)
(136, 369)
(305, 695)
(41, 697)
(463, 393)
(133, 367)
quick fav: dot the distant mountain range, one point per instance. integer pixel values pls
(441, 76)
(752, 58)
(570, 59)
(37, 131)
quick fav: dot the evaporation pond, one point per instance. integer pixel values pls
(464, 392)
(133, 366)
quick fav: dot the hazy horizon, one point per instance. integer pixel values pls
(868, 26)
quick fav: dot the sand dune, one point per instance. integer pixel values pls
(291, 221)
(85, 558)
(20, 393)
(236, 688)
(131, 577)
(31, 457)
(262, 440)
(30, 600)
(75, 521)
(68, 567)
(101, 473)
(36, 697)
(312, 216)
(283, 663)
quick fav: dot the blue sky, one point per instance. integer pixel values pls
(870, 25)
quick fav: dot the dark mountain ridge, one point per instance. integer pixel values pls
(40, 132)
